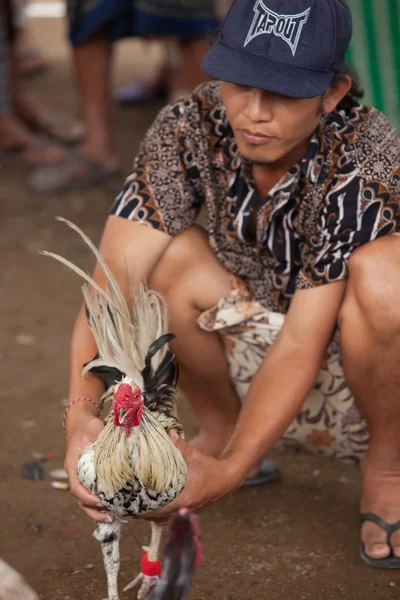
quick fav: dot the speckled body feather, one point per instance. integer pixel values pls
(137, 474)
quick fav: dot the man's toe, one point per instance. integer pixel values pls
(378, 551)
(374, 540)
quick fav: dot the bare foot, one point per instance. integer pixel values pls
(14, 137)
(34, 114)
(380, 495)
(108, 157)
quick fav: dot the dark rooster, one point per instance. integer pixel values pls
(133, 466)
(183, 552)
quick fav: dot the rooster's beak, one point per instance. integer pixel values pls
(122, 412)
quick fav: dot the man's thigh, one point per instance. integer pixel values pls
(189, 270)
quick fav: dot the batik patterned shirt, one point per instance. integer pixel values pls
(343, 193)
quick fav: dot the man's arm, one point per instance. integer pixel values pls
(287, 374)
(131, 251)
(277, 392)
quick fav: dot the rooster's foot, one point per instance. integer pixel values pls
(146, 583)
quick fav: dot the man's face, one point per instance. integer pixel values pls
(268, 126)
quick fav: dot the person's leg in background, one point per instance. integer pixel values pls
(14, 135)
(98, 158)
(184, 34)
(92, 61)
(180, 73)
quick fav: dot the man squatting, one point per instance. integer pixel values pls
(301, 257)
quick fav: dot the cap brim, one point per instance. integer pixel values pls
(240, 67)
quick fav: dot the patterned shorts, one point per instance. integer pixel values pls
(329, 422)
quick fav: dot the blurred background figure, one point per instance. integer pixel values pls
(95, 25)
(169, 82)
(179, 74)
(27, 127)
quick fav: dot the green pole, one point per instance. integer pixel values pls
(375, 53)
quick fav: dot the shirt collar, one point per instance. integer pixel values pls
(311, 165)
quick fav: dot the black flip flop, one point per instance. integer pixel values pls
(390, 562)
(267, 474)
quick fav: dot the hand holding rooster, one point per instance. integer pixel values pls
(208, 479)
(82, 431)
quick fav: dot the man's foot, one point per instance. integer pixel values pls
(77, 171)
(380, 495)
(34, 114)
(34, 151)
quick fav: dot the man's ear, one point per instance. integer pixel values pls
(338, 89)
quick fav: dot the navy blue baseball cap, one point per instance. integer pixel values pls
(291, 47)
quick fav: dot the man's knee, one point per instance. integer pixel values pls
(373, 290)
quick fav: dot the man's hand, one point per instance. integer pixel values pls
(82, 431)
(208, 480)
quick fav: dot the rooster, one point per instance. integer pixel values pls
(182, 553)
(133, 467)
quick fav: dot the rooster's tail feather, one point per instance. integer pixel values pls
(123, 337)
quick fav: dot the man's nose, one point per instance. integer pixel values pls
(259, 106)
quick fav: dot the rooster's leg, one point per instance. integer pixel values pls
(147, 581)
(108, 536)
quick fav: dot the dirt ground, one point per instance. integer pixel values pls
(298, 539)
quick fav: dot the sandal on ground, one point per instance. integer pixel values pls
(267, 474)
(75, 172)
(141, 93)
(390, 562)
(61, 128)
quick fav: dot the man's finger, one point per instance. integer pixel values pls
(96, 515)
(83, 495)
(185, 449)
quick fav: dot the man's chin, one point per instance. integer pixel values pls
(254, 155)
(256, 159)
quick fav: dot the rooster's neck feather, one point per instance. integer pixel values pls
(119, 459)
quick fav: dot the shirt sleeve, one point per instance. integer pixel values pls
(164, 189)
(354, 212)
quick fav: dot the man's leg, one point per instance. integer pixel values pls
(370, 334)
(29, 112)
(192, 280)
(13, 134)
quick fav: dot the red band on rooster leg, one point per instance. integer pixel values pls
(151, 568)
(199, 554)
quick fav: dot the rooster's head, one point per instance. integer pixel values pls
(127, 405)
